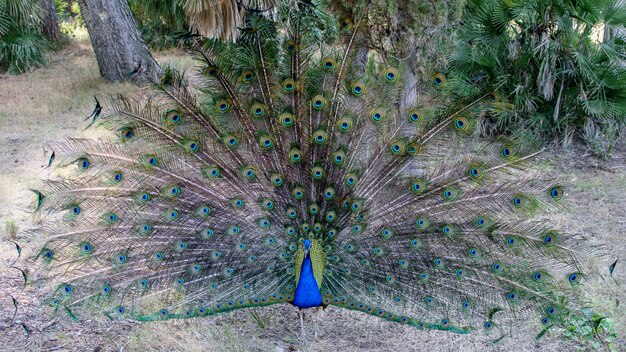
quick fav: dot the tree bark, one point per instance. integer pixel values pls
(49, 20)
(120, 51)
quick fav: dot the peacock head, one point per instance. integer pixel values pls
(307, 246)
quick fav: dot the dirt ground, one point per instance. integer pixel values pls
(50, 104)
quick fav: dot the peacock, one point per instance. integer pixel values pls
(291, 171)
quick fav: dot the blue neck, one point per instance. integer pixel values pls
(307, 293)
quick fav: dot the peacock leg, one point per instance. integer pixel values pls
(320, 317)
(301, 314)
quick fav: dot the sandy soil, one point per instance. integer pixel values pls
(50, 104)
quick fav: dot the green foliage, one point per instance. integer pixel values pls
(21, 49)
(556, 67)
(21, 44)
(169, 13)
(162, 23)
(591, 330)
(70, 19)
(62, 10)
(67, 10)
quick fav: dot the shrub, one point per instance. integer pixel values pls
(71, 22)
(555, 67)
(21, 44)
(162, 23)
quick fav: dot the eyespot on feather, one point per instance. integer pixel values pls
(318, 102)
(391, 74)
(329, 64)
(439, 79)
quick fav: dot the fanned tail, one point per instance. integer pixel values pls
(203, 201)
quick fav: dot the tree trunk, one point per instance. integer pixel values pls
(49, 20)
(119, 48)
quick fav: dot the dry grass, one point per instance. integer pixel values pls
(10, 230)
(49, 104)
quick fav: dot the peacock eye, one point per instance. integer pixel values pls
(85, 248)
(319, 102)
(75, 210)
(574, 278)
(247, 76)
(556, 193)
(121, 259)
(461, 123)
(519, 201)
(83, 164)
(391, 74)
(506, 151)
(439, 79)
(126, 133)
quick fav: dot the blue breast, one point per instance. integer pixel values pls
(307, 293)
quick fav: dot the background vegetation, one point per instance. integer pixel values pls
(22, 46)
(556, 67)
(162, 23)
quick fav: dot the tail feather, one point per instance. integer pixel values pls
(203, 198)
